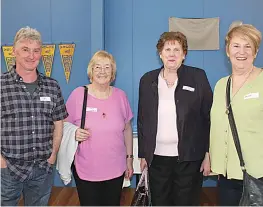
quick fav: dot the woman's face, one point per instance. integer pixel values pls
(172, 55)
(102, 72)
(240, 53)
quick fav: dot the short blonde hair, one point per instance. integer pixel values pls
(27, 33)
(247, 32)
(101, 54)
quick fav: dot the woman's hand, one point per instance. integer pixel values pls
(129, 170)
(81, 134)
(143, 164)
(205, 166)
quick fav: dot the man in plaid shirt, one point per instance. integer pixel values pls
(32, 113)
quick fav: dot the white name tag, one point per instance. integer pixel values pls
(251, 95)
(188, 88)
(45, 99)
(91, 109)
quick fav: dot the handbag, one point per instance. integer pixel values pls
(142, 196)
(252, 187)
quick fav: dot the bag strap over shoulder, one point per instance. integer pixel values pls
(233, 125)
(83, 114)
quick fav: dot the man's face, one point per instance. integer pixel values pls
(27, 53)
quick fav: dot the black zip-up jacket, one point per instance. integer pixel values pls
(193, 100)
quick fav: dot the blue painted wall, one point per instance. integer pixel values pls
(59, 21)
(127, 29)
(132, 29)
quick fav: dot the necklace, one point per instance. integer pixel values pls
(168, 83)
(243, 83)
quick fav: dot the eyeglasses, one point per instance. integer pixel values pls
(107, 69)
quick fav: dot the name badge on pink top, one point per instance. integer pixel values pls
(91, 109)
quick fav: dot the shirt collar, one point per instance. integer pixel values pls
(16, 77)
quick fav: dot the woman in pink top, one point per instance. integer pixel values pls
(104, 155)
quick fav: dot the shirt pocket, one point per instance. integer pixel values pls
(12, 121)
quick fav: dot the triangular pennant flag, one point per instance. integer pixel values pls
(9, 57)
(48, 52)
(66, 53)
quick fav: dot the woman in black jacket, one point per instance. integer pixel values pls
(173, 125)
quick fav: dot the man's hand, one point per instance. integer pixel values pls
(52, 159)
(3, 162)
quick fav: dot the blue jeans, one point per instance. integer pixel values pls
(36, 188)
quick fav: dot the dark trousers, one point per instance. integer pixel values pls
(230, 191)
(103, 193)
(174, 183)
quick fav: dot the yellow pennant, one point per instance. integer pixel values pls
(66, 53)
(9, 57)
(48, 52)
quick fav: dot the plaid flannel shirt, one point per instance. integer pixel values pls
(27, 122)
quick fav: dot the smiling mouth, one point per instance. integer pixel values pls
(241, 58)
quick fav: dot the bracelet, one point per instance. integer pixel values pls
(129, 156)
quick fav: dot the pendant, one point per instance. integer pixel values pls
(169, 83)
(103, 115)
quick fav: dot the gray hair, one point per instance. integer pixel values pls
(27, 33)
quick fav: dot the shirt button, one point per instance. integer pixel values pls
(34, 148)
(32, 117)
(33, 132)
